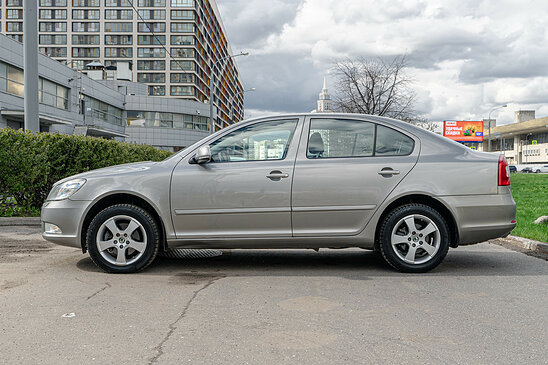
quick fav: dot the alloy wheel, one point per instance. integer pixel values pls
(121, 240)
(415, 239)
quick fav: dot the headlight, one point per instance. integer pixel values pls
(66, 189)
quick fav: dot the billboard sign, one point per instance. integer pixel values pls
(463, 131)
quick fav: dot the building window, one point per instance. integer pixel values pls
(14, 26)
(12, 80)
(86, 3)
(118, 14)
(91, 40)
(118, 39)
(85, 52)
(182, 27)
(182, 40)
(151, 53)
(52, 94)
(118, 27)
(182, 3)
(182, 52)
(52, 39)
(152, 3)
(85, 14)
(113, 52)
(151, 65)
(85, 27)
(182, 65)
(53, 14)
(153, 78)
(152, 14)
(180, 78)
(157, 90)
(14, 3)
(182, 15)
(58, 3)
(53, 26)
(151, 27)
(14, 14)
(54, 51)
(17, 37)
(152, 40)
(181, 90)
(117, 3)
(102, 111)
(166, 120)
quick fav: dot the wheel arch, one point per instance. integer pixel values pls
(121, 198)
(426, 200)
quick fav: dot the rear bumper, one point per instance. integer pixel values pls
(483, 217)
(67, 215)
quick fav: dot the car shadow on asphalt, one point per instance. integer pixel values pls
(350, 264)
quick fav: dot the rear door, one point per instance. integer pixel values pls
(345, 168)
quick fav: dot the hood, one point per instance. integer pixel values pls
(113, 170)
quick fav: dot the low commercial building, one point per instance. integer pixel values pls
(523, 142)
(73, 103)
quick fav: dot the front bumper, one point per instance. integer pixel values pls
(483, 217)
(67, 215)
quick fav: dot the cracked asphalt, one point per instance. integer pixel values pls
(484, 304)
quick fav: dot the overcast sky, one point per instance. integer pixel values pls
(466, 56)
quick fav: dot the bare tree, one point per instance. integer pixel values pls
(424, 123)
(374, 87)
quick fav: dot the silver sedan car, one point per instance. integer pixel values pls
(292, 181)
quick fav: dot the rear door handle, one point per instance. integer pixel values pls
(277, 175)
(388, 171)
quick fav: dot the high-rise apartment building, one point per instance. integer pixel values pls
(173, 46)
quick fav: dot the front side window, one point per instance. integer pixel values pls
(332, 138)
(392, 143)
(257, 142)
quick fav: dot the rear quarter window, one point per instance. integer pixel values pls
(390, 142)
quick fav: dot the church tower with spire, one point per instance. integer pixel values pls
(324, 100)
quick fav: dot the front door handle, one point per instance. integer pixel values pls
(388, 171)
(277, 175)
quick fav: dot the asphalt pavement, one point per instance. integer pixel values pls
(485, 304)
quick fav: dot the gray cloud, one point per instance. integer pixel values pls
(466, 56)
(250, 22)
(284, 83)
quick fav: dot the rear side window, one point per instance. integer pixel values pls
(331, 138)
(392, 143)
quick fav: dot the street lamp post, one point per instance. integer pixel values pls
(526, 144)
(234, 97)
(489, 122)
(212, 87)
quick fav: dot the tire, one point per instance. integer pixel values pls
(538, 171)
(123, 238)
(414, 238)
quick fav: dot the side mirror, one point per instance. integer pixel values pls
(203, 155)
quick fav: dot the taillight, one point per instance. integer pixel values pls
(504, 171)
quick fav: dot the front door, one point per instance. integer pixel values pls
(344, 170)
(244, 191)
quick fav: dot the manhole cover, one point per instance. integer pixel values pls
(186, 253)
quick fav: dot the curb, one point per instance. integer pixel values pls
(525, 245)
(20, 221)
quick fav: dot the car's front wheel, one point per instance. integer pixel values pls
(414, 238)
(123, 238)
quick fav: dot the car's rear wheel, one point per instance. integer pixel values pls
(123, 238)
(538, 171)
(414, 238)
